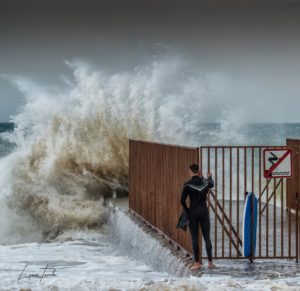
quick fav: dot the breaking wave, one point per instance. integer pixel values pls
(72, 143)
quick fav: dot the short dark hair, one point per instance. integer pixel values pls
(194, 168)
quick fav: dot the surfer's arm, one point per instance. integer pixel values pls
(184, 195)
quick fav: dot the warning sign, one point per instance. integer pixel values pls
(278, 163)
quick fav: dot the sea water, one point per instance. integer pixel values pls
(66, 155)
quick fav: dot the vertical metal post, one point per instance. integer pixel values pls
(252, 227)
(297, 229)
(274, 219)
(201, 160)
(216, 190)
(259, 190)
(289, 232)
(245, 172)
(230, 200)
(208, 170)
(281, 217)
(200, 232)
(252, 204)
(238, 196)
(252, 170)
(223, 199)
(267, 221)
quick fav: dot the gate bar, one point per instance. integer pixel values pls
(223, 199)
(238, 194)
(297, 229)
(267, 222)
(230, 200)
(275, 187)
(281, 217)
(227, 232)
(245, 171)
(226, 217)
(216, 187)
(252, 205)
(259, 201)
(274, 218)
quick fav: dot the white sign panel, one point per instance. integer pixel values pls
(278, 163)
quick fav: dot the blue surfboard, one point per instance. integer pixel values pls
(250, 225)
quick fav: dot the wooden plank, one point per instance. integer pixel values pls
(152, 181)
(293, 184)
(157, 187)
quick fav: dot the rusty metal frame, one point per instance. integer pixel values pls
(270, 190)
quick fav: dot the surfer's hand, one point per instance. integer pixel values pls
(209, 174)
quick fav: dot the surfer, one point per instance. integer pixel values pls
(197, 188)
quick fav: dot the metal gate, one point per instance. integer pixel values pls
(157, 173)
(237, 170)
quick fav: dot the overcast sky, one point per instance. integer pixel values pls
(255, 45)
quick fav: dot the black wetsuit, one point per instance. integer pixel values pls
(197, 189)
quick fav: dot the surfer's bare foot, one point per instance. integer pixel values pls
(211, 265)
(196, 266)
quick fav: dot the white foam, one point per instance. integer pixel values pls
(72, 143)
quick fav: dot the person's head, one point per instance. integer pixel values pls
(194, 170)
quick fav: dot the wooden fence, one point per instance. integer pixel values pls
(156, 175)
